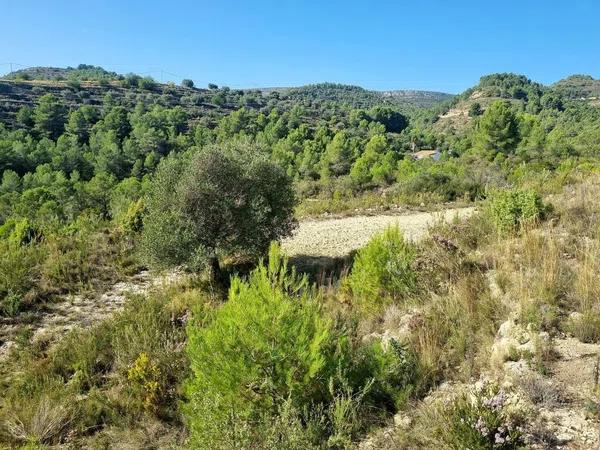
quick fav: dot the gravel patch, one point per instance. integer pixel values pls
(339, 236)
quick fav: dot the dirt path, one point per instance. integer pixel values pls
(339, 236)
(574, 373)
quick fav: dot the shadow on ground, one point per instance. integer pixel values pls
(322, 270)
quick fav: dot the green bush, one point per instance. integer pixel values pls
(510, 210)
(144, 375)
(133, 219)
(19, 232)
(19, 270)
(383, 270)
(81, 257)
(272, 347)
(268, 343)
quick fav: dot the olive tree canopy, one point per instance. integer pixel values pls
(222, 201)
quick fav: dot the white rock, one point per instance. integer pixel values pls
(575, 316)
(402, 421)
(506, 328)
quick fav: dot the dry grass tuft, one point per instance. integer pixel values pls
(540, 391)
(42, 423)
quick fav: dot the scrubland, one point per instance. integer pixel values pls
(485, 333)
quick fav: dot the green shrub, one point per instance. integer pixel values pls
(77, 259)
(144, 376)
(383, 270)
(19, 232)
(269, 342)
(11, 304)
(272, 346)
(510, 210)
(19, 270)
(132, 220)
(395, 374)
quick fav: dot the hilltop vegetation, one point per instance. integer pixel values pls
(578, 87)
(83, 72)
(358, 97)
(426, 99)
(101, 179)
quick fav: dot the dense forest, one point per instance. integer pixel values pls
(104, 175)
(60, 160)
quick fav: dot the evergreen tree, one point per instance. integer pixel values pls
(49, 116)
(498, 130)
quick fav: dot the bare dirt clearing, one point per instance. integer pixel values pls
(338, 237)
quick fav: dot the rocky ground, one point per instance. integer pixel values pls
(81, 310)
(560, 399)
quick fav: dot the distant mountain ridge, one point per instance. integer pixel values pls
(322, 91)
(360, 96)
(89, 84)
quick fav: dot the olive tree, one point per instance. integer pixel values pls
(187, 83)
(221, 201)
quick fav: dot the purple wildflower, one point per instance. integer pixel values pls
(497, 401)
(498, 439)
(481, 427)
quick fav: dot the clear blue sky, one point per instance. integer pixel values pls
(434, 45)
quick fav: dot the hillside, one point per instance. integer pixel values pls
(426, 99)
(580, 87)
(81, 72)
(90, 86)
(524, 94)
(359, 97)
(15, 94)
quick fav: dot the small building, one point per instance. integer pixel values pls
(423, 154)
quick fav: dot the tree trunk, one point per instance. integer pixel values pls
(217, 274)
